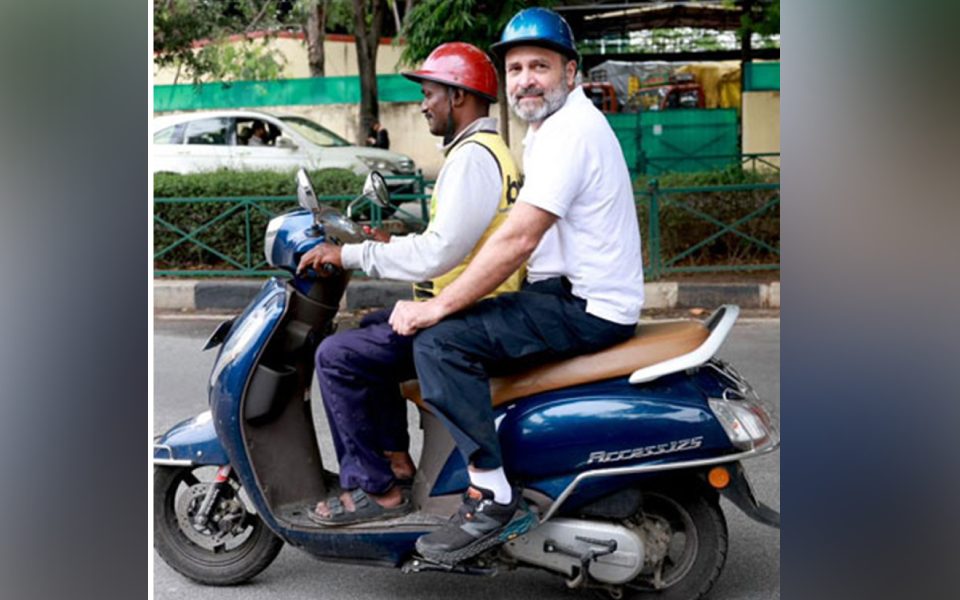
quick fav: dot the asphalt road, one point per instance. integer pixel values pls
(753, 563)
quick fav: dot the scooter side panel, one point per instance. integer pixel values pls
(609, 424)
(548, 438)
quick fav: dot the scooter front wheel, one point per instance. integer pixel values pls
(231, 546)
(685, 535)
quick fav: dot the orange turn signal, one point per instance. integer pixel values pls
(719, 477)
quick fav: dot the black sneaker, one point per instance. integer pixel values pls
(480, 524)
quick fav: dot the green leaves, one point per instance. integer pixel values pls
(434, 22)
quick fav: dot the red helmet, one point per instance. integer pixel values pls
(460, 65)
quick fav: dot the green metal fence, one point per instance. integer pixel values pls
(224, 236)
(739, 223)
(694, 229)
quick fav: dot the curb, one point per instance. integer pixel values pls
(235, 294)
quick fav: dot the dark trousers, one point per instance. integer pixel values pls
(358, 372)
(455, 358)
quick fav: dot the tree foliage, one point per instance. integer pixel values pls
(192, 36)
(762, 18)
(433, 22)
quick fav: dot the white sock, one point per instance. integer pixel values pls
(494, 480)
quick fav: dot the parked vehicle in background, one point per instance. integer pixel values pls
(234, 139)
(602, 95)
(681, 91)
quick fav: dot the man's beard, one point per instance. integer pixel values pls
(553, 100)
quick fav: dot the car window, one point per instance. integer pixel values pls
(208, 132)
(246, 129)
(169, 135)
(315, 133)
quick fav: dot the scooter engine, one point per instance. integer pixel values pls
(609, 553)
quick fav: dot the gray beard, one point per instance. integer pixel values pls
(553, 100)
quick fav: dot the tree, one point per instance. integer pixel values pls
(316, 18)
(433, 22)
(314, 32)
(192, 34)
(367, 24)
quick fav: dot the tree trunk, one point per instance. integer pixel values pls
(367, 24)
(746, 49)
(314, 31)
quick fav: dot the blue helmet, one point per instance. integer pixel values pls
(537, 27)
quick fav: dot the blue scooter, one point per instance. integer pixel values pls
(622, 455)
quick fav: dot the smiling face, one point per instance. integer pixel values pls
(538, 81)
(435, 106)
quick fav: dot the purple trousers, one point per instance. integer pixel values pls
(359, 371)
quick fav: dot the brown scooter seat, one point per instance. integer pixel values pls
(653, 343)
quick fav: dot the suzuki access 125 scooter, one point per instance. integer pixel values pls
(622, 455)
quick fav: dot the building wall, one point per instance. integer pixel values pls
(340, 57)
(761, 123)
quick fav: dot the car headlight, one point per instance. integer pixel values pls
(379, 164)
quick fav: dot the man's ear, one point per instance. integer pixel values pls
(458, 96)
(571, 73)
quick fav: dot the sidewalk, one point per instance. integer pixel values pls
(234, 294)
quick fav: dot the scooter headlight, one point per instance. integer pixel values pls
(747, 422)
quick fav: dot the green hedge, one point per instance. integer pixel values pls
(228, 235)
(224, 183)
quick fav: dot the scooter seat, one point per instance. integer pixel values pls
(654, 343)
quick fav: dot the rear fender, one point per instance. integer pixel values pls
(739, 492)
(190, 442)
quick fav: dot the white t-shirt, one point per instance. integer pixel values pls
(574, 168)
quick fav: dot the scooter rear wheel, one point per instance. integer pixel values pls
(233, 547)
(685, 534)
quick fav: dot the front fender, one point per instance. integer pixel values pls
(190, 442)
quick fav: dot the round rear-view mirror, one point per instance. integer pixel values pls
(375, 188)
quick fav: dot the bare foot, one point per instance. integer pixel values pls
(401, 464)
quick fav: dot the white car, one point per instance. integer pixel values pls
(252, 140)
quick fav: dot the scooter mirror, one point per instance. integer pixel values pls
(305, 194)
(375, 188)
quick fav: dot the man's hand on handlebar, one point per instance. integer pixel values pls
(318, 257)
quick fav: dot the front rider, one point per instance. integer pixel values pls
(576, 224)
(359, 370)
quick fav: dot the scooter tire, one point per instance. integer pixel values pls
(205, 565)
(697, 567)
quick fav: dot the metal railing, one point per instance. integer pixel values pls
(688, 202)
(661, 165)
(241, 220)
(236, 252)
